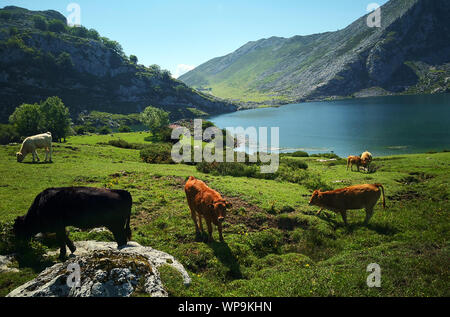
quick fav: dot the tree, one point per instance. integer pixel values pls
(40, 23)
(155, 119)
(64, 61)
(57, 26)
(27, 118)
(55, 117)
(133, 59)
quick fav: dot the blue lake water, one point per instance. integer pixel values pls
(383, 125)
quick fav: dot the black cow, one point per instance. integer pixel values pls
(82, 207)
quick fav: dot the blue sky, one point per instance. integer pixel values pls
(181, 34)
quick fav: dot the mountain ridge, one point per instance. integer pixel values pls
(354, 61)
(88, 72)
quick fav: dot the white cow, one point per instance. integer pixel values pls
(32, 143)
(366, 159)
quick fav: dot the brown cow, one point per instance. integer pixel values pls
(354, 160)
(207, 203)
(353, 197)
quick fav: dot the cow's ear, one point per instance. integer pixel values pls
(228, 204)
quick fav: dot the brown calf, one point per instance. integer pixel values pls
(354, 160)
(207, 203)
(353, 197)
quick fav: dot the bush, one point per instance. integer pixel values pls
(105, 130)
(125, 145)
(157, 153)
(124, 129)
(266, 242)
(299, 154)
(326, 155)
(295, 164)
(79, 129)
(57, 26)
(228, 168)
(8, 134)
(40, 23)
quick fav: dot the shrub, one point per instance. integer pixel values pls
(8, 134)
(40, 23)
(57, 26)
(228, 168)
(299, 154)
(157, 153)
(266, 242)
(105, 130)
(125, 145)
(295, 164)
(79, 129)
(326, 155)
(124, 129)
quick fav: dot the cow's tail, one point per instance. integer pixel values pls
(382, 190)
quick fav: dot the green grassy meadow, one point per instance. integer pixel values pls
(275, 244)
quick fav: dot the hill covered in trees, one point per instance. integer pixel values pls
(40, 56)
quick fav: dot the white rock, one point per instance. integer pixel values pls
(133, 265)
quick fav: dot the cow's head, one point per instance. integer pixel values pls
(219, 209)
(20, 157)
(20, 229)
(315, 198)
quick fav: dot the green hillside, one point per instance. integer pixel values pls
(40, 56)
(275, 244)
(408, 54)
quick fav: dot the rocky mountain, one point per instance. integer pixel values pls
(409, 53)
(40, 56)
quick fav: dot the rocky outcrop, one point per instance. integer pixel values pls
(105, 271)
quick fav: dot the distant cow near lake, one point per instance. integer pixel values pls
(81, 207)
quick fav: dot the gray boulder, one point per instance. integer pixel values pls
(105, 271)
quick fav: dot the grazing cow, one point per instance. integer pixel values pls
(82, 207)
(207, 203)
(366, 158)
(32, 143)
(353, 197)
(354, 160)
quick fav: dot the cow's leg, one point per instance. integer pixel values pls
(200, 222)
(194, 219)
(119, 235)
(210, 230)
(51, 151)
(46, 154)
(37, 156)
(70, 244)
(369, 214)
(344, 216)
(219, 228)
(62, 239)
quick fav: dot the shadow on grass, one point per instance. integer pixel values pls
(384, 229)
(37, 163)
(223, 253)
